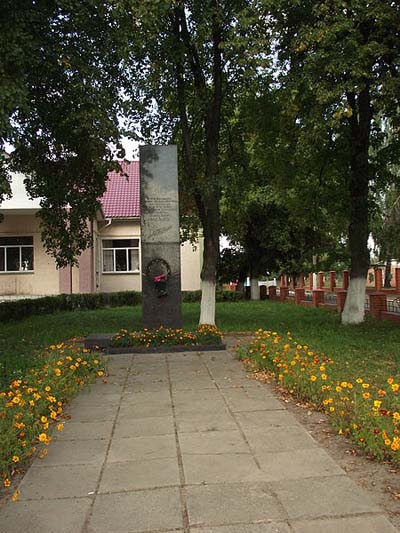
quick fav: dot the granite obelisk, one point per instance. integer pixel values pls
(160, 247)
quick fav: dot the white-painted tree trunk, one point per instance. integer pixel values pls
(207, 306)
(254, 289)
(354, 311)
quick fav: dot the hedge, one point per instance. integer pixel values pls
(70, 302)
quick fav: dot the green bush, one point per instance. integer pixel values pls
(66, 302)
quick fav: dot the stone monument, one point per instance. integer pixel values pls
(160, 247)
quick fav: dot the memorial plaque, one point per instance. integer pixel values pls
(160, 247)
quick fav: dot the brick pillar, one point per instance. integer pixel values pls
(272, 292)
(310, 280)
(320, 280)
(340, 300)
(318, 297)
(377, 304)
(294, 284)
(286, 280)
(284, 293)
(299, 295)
(301, 280)
(282, 281)
(332, 280)
(397, 278)
(263, 292)
(378, 279)
(345, 284)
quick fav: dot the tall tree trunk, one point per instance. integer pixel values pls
(360, 124)
(208, 272)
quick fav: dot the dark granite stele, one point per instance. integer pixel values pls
(102, 341)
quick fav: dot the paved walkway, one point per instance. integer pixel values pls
(185, 442)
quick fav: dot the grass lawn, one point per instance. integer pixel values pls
(371, 349)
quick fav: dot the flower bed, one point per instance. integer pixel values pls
(369, 414)
(205, 335)
(34, 403)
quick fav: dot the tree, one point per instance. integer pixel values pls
(343, 57)
(187, 60)
(60, 76)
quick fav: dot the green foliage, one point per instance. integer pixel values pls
(19, 309)
(61, 64)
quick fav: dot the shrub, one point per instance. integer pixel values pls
(66, 302)
(33, 403)
(370, 415)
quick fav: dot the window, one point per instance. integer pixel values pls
(16, 254)
(121, 255)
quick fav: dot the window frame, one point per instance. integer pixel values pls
(113, 249)
(19, 246)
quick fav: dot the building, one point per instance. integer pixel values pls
(111, 265)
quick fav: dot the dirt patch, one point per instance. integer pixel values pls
(381, 481)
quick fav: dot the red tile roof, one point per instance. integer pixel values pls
(122, 197)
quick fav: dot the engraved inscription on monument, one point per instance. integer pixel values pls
(161, 279)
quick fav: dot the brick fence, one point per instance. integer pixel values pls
(382, 304)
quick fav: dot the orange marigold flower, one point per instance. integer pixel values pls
(366, 395)
(60, 427)
(6, 482)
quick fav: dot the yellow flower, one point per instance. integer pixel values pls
(365, 385)
(43, 419)
(100, 373)
(343, 384)
(366, 395)
(313, 378)
(60, 427)
(57, 372)
(331, 408)
(43, 437)
(359, 380)
(390, 380)
(395, 387)
(323, 376)
(15, 496)
(388, 442)
(396, 415)
(377, 403)
(15, 459)
(47, 389)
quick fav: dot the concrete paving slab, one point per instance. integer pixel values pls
(72, 481)
(213, 442)
(128, 410)
(150, 386)
(226, 383)
(143, 474)
(266, 419)
(298, 464)
(265, 527)
(240, 393)
(144, 427)
(146, 510)
(94, 400)
(183, 397)
(103, 388)
(85, 430)
(228, 468)
(47, 516)
(79, 452)
(133, 449)
(193, 384)
(212, 504)
(200, 407)
(253, 404)
(205, 422)
(82, 413)
(348, 524)
(141, 397)
(323, 497)
(279, 439)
